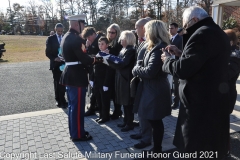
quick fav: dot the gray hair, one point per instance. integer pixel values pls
(194, 11)
(128, 36)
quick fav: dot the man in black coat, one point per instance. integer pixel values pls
(52, 50)
(92, 37)
(203, 90)
(74, 76)
(177, 41)
(145, 134)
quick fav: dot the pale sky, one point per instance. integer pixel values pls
(4, 4)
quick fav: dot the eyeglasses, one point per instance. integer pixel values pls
(185, 26)
(112, 32)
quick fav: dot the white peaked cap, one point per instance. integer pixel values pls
(77, 17)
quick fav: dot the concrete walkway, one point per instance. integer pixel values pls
(44, 135)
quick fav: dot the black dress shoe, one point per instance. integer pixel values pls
(89, 113)
(101, 121)
(121, 125)
(63, 106)
(127, 128)
(136, 124)
(97, 119)
(135, 136)
(141, 145)
(116, 115)
(87, 137)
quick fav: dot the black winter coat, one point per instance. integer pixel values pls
(124, 75)
(233, 73)
(203, 88)
(93, 50)
(155, 99)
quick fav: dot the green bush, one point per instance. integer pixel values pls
(229, 23)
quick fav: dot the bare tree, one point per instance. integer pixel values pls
(70, 6)
(205, 4)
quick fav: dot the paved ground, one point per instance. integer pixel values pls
(25, 87)
(44, 134)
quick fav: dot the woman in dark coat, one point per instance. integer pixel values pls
(155, 100)
(113, 33)
(234, 68)
(123, 78)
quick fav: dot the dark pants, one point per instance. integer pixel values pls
(128, 115)
(158, 131)
(76, 107)
(92, 101)
(103, 101)
(117, 107)
(145, 130)
(58, 88)
(175, 92)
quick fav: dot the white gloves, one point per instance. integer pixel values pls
(105, 56)
(105, 88)
(91, 83)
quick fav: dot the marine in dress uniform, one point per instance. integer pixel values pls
(74, 76)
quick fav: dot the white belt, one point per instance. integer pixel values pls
(72, 63)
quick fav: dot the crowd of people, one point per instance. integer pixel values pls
(141, 69)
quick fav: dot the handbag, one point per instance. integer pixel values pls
(134, 85)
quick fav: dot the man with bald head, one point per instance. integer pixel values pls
(139, 26)
(145, 133)
(74, 76)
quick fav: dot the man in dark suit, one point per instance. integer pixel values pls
(52, 50)
(92, 37)
(177, 41)
(145, 134)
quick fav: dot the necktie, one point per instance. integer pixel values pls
(171, 39)
(59, 39)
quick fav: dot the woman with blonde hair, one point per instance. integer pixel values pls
(113, 33)
(155, 98)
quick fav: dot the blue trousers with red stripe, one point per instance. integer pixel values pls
(76, 110)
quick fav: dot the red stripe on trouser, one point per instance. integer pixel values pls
(79, 112)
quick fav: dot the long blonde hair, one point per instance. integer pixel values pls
(114, 41)
(156, 32)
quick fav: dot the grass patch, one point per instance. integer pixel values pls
(20, 48)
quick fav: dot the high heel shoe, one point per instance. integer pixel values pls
(116, 115)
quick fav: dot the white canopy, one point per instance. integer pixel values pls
(217, 9)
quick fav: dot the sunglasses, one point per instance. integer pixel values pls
(112, 32)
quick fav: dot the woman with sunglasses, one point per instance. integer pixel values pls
(113, 33)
